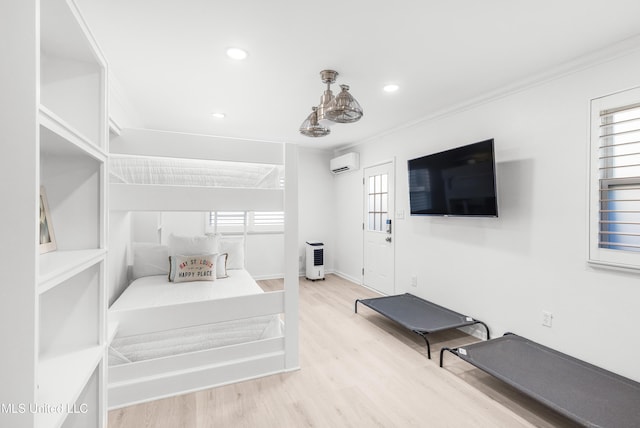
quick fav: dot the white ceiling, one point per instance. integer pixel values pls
(169, 57)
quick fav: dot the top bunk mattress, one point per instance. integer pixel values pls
(153, 170)
(156, 290)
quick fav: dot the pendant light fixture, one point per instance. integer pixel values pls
(342, 108)
(310, 126)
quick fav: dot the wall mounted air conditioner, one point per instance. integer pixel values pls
(344, 163)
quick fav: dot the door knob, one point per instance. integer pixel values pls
(388, 239)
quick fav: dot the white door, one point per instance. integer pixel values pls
(378, 228)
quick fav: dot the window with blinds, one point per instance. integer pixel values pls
(237, 221)
(228, 219)
(267, 219)
(615, 180)
(619, 165)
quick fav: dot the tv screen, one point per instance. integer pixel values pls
(456, 182)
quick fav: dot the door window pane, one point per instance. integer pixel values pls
(378, 202)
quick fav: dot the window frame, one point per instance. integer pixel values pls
(605, 257)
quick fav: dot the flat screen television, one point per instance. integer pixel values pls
(456, 182)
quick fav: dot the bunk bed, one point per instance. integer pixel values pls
(418, 315)
(169, 338)
(589, 395)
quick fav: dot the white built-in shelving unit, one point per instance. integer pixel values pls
(56, 301)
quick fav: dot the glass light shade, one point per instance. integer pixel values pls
(310, 126)
(344, 108)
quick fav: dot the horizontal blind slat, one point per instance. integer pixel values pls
(605, 233)
(619, 166)
(617, 110)
(618, 156)
(617, 134)
(617, 244)
(613, 222)
(620, 122)
(614, 145)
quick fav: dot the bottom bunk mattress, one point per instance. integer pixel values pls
(153, 291)
(156, 290)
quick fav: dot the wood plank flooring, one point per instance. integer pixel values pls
(357, 370)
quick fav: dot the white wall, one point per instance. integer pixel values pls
(121, 110)
(316, 204)
(506, 271)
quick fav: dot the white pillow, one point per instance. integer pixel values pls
(234, 247)
(149, 259)
(193, 268)
(192, 245)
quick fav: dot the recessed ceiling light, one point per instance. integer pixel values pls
(236, 53)
(218, 115)
(391, 87)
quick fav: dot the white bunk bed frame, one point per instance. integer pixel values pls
(162, 377)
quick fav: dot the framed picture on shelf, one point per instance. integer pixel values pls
(47, 238)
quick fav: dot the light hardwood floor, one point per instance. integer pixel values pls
(357, 370)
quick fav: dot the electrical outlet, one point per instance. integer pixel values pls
(414, 281)
(547, 318)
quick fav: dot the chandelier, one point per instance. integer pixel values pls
(342, 108)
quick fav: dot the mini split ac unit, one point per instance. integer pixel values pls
(344, 163)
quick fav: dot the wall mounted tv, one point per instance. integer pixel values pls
(456, 182)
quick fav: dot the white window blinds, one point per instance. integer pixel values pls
(227, 221)
(268, 219)
(241, 221)
(619, 166)
(615, 180)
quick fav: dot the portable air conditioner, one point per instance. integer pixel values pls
(315, 260)
(344, 163)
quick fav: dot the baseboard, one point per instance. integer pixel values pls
(270, 276)
(302, 274)
(343, 275)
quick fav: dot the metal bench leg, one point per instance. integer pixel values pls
(452, 350)
(424, 336)
(486, 328)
